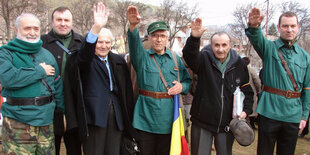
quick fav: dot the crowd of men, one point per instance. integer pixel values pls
(61, 84)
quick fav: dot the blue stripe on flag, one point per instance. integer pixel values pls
(176, 106)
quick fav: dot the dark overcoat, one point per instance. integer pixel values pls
(75, 107)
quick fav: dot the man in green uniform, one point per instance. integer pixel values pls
(153, 112)
(284, 105)
(32, 88)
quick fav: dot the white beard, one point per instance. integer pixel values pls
(30, 39)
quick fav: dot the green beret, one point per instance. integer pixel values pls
(159, 25)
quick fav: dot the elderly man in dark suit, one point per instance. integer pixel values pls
(101, 104)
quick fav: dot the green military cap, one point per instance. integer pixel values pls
(159, 25)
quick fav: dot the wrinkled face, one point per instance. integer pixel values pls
(103, 46)
(28, 29)
(221, 46)
(288, 28)
(158, 41)
(62, 22)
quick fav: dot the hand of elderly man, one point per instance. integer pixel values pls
(49, 70)
(196, 28)
(100, 17)
(242, 115)
(133, 17)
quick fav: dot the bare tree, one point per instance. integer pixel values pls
(119, 19)
(83, 15)
(176, 15)
(241, 14)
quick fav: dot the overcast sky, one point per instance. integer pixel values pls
(219, 12)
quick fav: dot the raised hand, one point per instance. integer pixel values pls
(133, 17)
(255, 18)
(196, 28)
(100, 17)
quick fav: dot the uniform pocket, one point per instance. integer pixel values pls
(150, 78)
(299, 69)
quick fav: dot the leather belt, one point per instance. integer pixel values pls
(30, 101)
(287, 94)
(155, 95)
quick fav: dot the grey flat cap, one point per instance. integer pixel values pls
(241, 130)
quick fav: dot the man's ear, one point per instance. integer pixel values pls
(15, 30)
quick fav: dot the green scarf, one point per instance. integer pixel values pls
(222, 66)
(20, 50)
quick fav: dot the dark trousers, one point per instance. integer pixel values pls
(71, 137)
(154, 144)
(201, 141)
(104, 141)
(272, 131)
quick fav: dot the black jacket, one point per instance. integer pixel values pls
(75, 107)
(209, 110)
(49, 43)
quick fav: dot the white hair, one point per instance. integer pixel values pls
(106, 32)
(17, 21)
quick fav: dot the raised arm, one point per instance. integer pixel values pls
(255, 34)
(136, 49)
(197, 29)
(255, 18)
(87, 51)
(191, 48)
(133, 17)
(100, 17)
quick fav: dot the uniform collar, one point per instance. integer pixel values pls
(167, 52)
(280, 44)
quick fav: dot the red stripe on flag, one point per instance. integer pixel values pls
(185, 150)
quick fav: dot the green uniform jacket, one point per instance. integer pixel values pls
(274, 75)
(13, 79)
(154, 115)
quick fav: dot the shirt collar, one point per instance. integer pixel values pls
(167, 52)
(280, 44)
(105, 58)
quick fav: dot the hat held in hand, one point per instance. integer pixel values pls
(241, 130)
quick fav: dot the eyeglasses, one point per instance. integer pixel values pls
(154, 35)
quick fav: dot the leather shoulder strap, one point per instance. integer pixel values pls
(161, 74)
(284, 64)
(176, 63)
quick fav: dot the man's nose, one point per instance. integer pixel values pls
(32, 32)
(62, 22)
(289, 29)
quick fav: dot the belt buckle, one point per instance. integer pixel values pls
(289, 94)
(156, 95)
(36, 100)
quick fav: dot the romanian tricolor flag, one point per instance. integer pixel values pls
(179, 144)
(1, 100)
